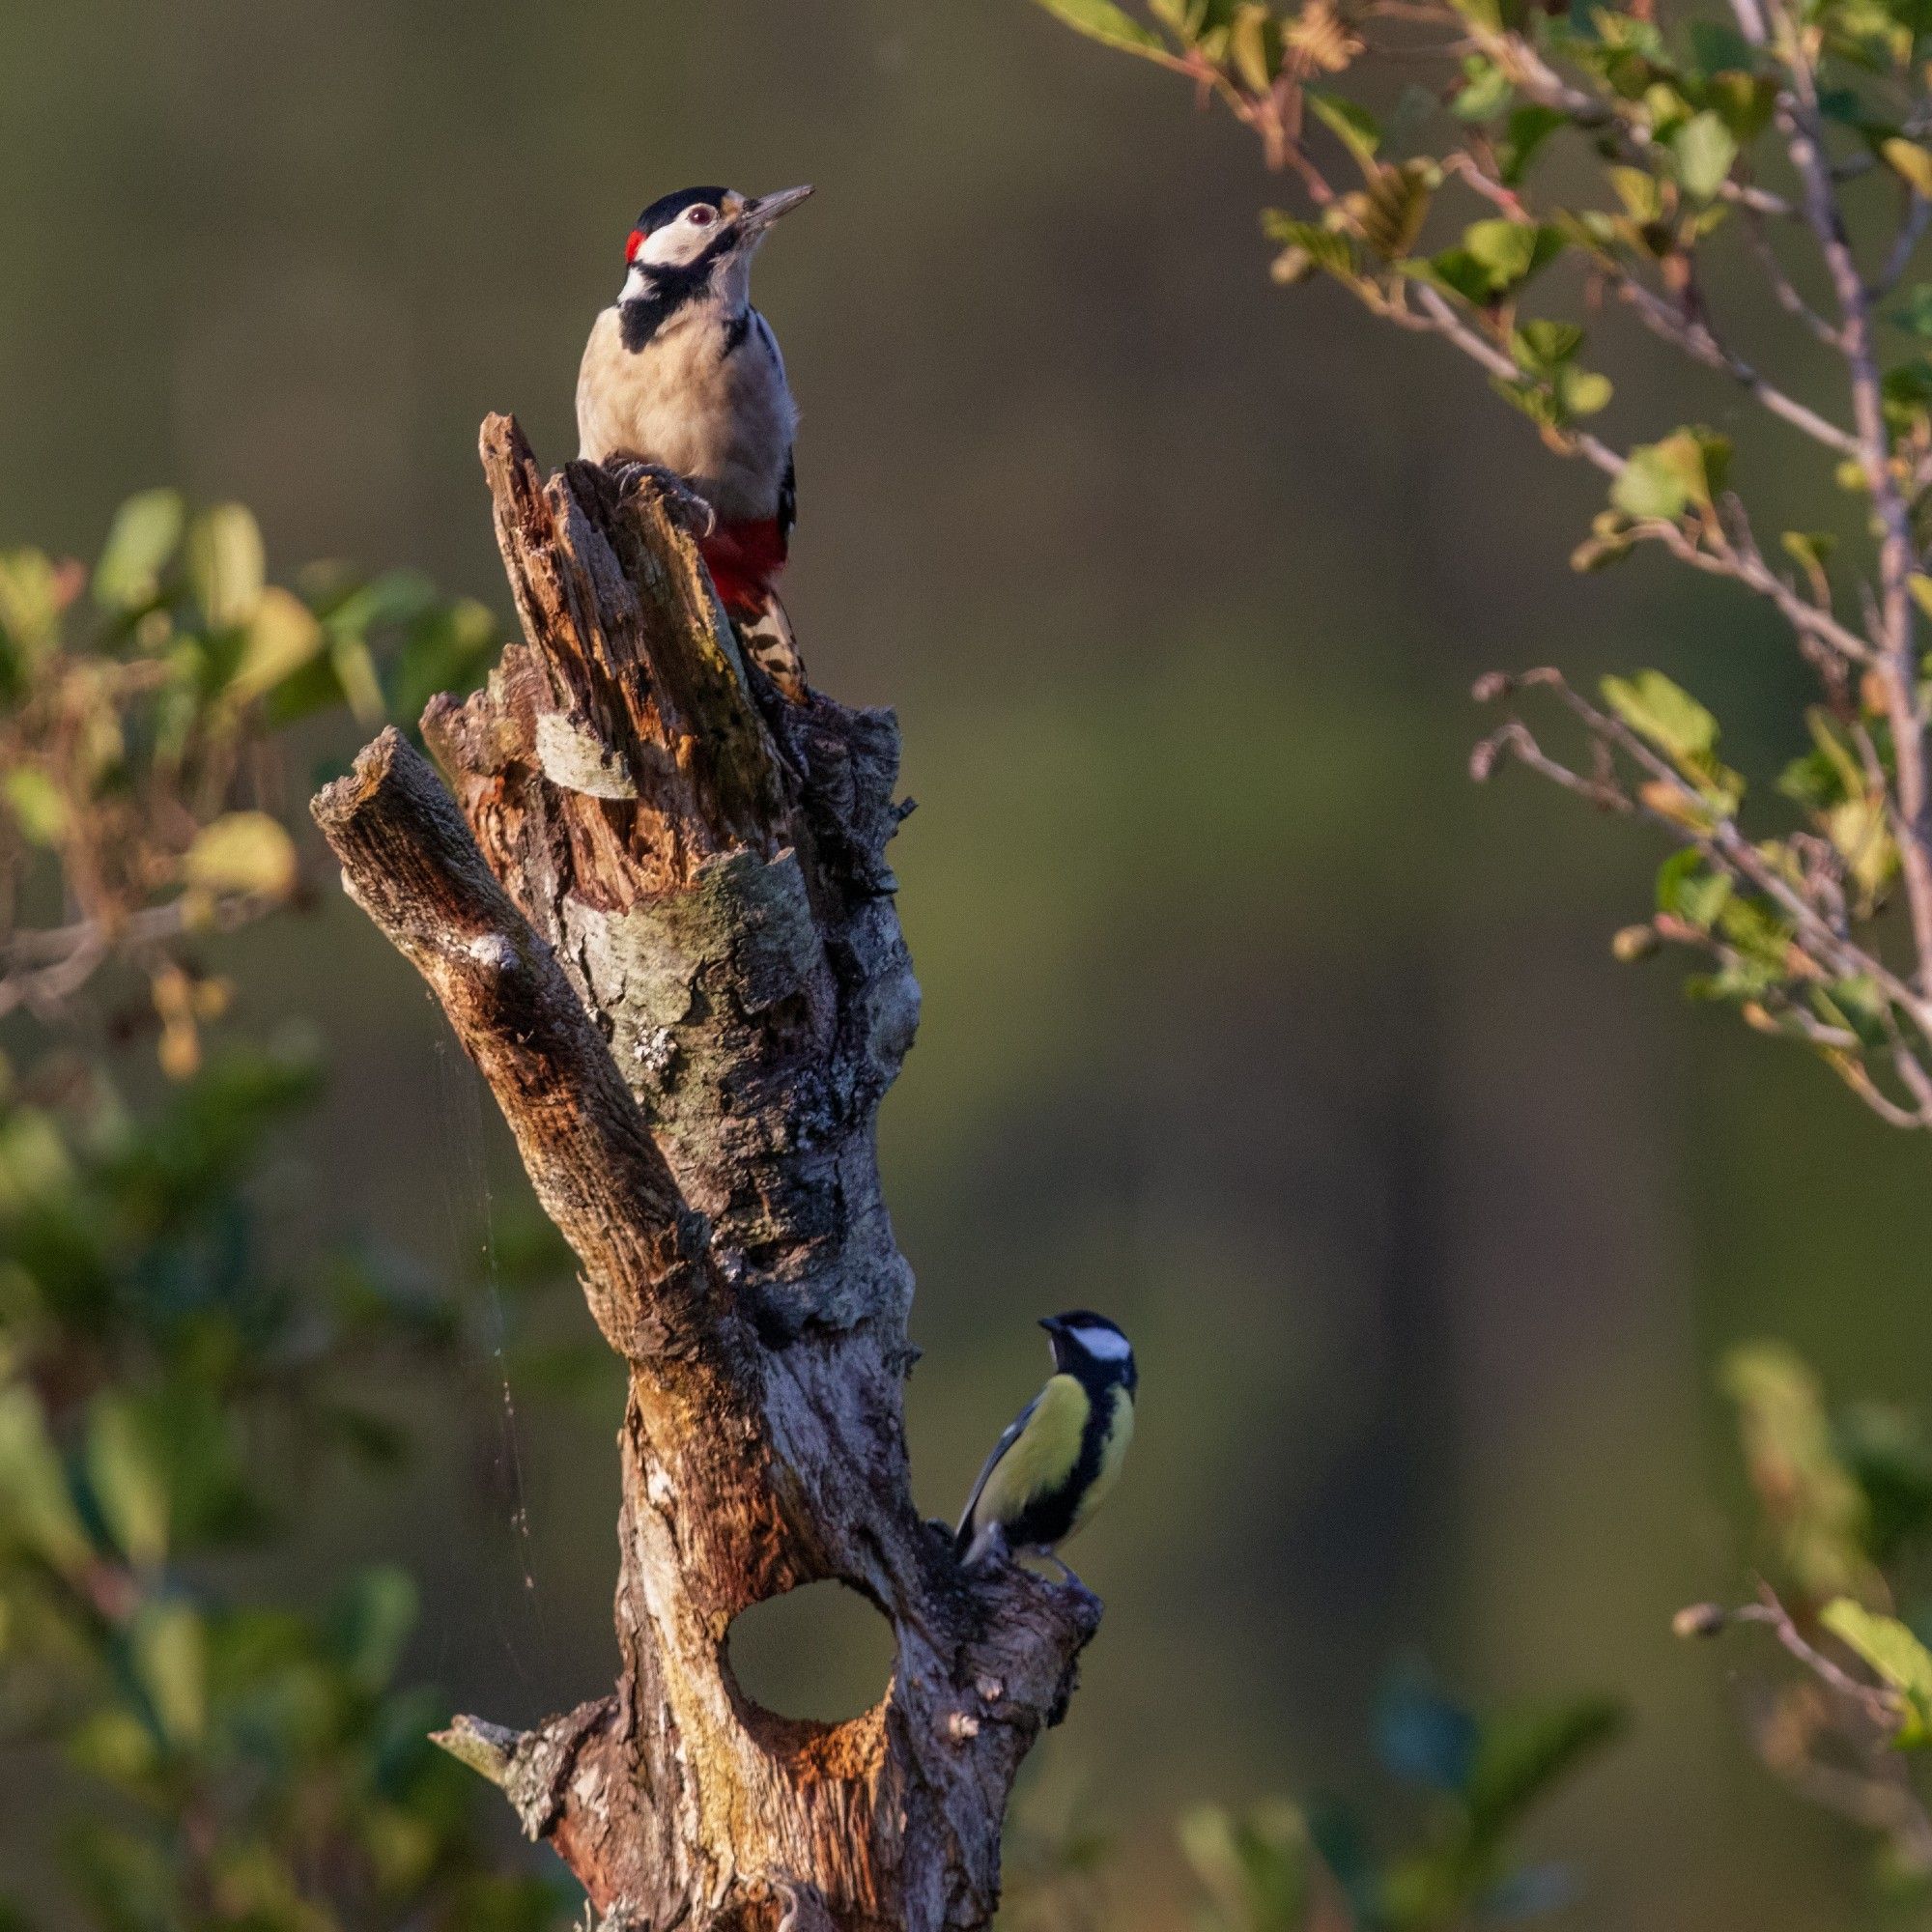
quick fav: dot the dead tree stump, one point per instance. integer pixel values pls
(658, 914)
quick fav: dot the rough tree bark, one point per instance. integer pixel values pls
(656, 913)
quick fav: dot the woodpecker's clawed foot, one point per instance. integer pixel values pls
(687, 509)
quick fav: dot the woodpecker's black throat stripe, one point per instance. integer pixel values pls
(670, 287)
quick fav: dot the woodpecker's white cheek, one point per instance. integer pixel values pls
(675, 243)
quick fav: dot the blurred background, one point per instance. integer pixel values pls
(1248, 1019)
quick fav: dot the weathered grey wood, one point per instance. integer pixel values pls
(662, 923)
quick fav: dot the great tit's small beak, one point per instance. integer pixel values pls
(1052, 1324)
(759, 215)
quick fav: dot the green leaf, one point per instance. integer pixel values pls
(1663, 480)
(1704, 148)
(125, 1472)
(1102, 20)
(1816, 1508)
(1687, 887)
(1583, 391)
(242, 852)
(1351, 123)
(1638, 190)
(1717, 47)
(355, 665)
(283, 634)
(1253, 46)
(1510, 250)
(37, 1508)
(39, 806)
(1909, 163)
(1494, 260)
(1664, 713)
(370, 1623)
(1486, 90)
(1861, 830)
(1540, 346)
(145, 533)
(1253, 1868)
(1394, 206)
(30, 601)
(1914, 313)
(1812, 548)
(1524, 1756)
(1526, 132)
(225, 564)
(1898, 1658)
(167, 1656)
(449, 649)
(1307, 247)
(1746, 103)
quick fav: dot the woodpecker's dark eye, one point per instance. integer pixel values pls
(701, 216)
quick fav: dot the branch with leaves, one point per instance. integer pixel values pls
(141, 703)
(1621, 146)
(1845, 1501)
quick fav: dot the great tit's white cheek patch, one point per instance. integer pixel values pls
(1104, 1345)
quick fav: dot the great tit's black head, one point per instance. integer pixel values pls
(712, 224)
(1082, 1338)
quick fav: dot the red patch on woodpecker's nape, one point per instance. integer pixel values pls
(635, 244)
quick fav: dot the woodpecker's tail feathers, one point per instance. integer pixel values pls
(766, 637)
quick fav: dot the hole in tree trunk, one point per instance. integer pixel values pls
(820, 1653)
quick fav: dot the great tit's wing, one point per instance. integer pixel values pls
(1012, 1435)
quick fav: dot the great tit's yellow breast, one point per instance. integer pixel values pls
(1043, 1457)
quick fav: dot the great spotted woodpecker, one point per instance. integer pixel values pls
(683, 374)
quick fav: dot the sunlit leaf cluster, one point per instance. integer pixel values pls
(1516, 180)
(141, 707)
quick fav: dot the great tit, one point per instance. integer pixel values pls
(1049, 1470)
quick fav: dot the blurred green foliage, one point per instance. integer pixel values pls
(171, 1395)
(1845, 1522)
(1282, 1868)
(141, 708)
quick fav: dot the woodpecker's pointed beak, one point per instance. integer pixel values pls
(759, 215)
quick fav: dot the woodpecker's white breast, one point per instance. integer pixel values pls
(705, 396)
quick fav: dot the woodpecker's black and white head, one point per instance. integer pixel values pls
(1090, 1346)
(694, 248)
